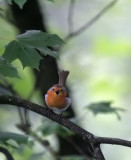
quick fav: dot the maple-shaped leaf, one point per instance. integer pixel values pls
(26, 46)
(27, 55)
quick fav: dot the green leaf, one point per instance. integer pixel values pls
(47, 51)
(35, 38)
(27, 55)
(9, 1)
(27, 45)
(54, 129)
(12, 143)
(104, 108)
(1, 13)
(20, 139)
(37, 156)
(6, 69)
(20, 3)
(51, 1)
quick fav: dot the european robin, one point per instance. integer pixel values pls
(57, 97)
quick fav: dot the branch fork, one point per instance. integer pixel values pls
(91, 139)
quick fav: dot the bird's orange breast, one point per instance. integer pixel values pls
(56, 101)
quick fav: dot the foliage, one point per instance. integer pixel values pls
(13, 139)
(27, 48)
(36, 156)
(48, 128)
(104, 108)
(6, 69)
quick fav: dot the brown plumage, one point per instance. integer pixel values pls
(62, 77)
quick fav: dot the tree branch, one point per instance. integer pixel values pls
(94, 141)
(91, 22)
(6, 153)
(114, 141)
(4, 99)
(70, 16)
(98, 153)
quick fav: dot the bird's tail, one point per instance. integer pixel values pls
(62, 77)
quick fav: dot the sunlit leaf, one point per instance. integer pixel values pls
(6, 69)
(104, 108)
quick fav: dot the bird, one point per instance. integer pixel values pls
(57, 97)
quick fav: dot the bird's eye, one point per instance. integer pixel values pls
(53, 89)
(61, 90)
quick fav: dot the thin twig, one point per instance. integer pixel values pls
(70, 16)
(114, 141)
(91, 22)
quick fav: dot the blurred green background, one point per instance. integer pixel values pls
(99, 61)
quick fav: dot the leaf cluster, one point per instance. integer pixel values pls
(28, 48)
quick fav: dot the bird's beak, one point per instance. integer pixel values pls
(57, 92)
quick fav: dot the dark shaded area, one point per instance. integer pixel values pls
(75, 145)
(30, 18)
